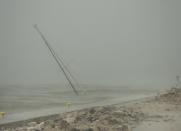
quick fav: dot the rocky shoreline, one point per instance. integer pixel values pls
(119, 117)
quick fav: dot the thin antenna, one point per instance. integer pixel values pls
(56, 59)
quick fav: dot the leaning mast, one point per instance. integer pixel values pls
(57, 59)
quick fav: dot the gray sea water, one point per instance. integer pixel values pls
(21, 102)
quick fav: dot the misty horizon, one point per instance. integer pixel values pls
(113, 43)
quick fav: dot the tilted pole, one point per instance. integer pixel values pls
(65, 68)
(56, 59)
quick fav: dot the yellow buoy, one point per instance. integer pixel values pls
(67, 104)
(2, 114)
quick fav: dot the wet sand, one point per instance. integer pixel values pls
(162, 112)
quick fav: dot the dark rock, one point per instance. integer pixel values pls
(64, 124)
(88, 129)
(92, 111)
(74, 129)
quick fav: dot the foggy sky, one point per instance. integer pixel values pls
(104, 42)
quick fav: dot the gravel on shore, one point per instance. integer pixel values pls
(101, 118)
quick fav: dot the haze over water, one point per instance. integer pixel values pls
(116, 43)
(128, 47)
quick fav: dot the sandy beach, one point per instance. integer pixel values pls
(162, 112)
